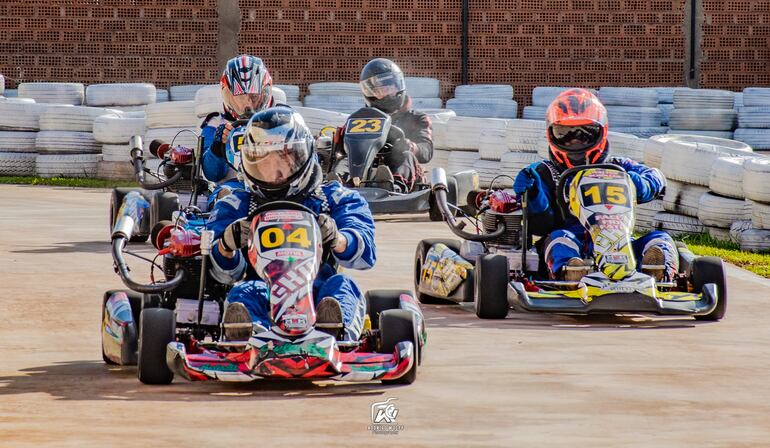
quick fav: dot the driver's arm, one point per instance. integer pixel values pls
(227, 267)
(650, 183)
(355, 222)
(214, 167)
(420, 139)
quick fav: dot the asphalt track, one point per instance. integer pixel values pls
(529, 380)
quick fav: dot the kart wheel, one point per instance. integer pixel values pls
(156, 329)
(398, 326)
(451, 197)
(419, 259)
(379, 300)
(116, 200)
(162, 206)
(135, 300)
(491, 301)
(711, 270)
(160, 225)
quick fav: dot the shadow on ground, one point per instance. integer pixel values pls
(94, 247)
(94, 380)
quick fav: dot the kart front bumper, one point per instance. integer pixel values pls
(383, 201)
(290, 361)
(611, 303)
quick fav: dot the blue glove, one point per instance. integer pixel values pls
(525, 181)
(642, 190)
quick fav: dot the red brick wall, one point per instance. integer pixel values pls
(735, 44)
(92, 41)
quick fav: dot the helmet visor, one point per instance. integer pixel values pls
(246, 104)
(383, 85)
(274, 156)
(575, 138)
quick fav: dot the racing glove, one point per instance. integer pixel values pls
(218, 146)
(525, 181)
(329, 234)
(236, 235)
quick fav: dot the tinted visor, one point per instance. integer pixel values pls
(275, 151)
(575, 138)
(383, 85)
(247, 104)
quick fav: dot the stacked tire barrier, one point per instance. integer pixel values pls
(126, 97)
(208, 99)
(185, 92)
(756, 189)
(484, 101)
(19, 123)
(424, 93)
(705, 112)
(65, 144)
(344, 97)
(291, 94)
(114, 133)
(318, 119)
(173, 122)
(665, 103)
(53, 92)
(754, 118)
(632, 110)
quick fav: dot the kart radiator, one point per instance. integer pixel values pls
(512, 235)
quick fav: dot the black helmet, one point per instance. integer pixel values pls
(277, 157)
(383, 85)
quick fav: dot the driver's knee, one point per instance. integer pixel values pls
(254, 295)
(560, 247)
(347, 293)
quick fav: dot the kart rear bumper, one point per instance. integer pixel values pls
(383, 201)
(252, 365)
(625, 302)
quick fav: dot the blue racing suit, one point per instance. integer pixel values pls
(566, 238)
(354, 221)
(215, 168)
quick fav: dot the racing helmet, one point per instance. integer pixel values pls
(576, 129)
(382, 83)
(247, 86)
(277, 155)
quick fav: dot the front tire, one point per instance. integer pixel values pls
(399, 326)
(711, 270)
(157, 328)
(491, 287)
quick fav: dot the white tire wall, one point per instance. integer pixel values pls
(644, 215)
(485, 91)
(173, 114)
(737, 228)
(66, 165)
(187, 137)
(66, 142)
(718, 211)
(53, 92)
(755, 240)
(461, 161)
(760, 215)
(112, 129)
(125, 94)
(726, 177)
(73, 118)
(122, 170)
(689, 158)
(756, 173)
(317, 119)
(335, 89)
(116, 153)
(488, 171)
(17, 141)
(21, 116)
(682, 198)
(513, 162)
(422, 87)
(678, 225)
(207, 100)
(492, 144)
(184, 93)
(17, 163)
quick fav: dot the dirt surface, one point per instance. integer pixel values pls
(530, 380)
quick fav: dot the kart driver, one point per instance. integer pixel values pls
(410, 136)
(278, 162)
(247, 88)
(576, 130)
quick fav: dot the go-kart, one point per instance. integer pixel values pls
(178, 337)
(357, 157)
(499, 268)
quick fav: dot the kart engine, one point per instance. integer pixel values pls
(500, 205)
(182, 250)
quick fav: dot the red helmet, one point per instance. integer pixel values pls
(247, 86)
(576, 129)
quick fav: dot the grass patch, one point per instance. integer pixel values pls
(730, 252)
(66, 182)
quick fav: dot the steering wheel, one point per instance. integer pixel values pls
(281, 205)
(561, 186)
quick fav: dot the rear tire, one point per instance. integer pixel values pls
(419, 259)
(162, 207)
(156, 329)
(491, 300)
(398, 326)
(711, 270)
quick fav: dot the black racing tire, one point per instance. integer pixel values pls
(157, 328)
(379, 300)
(711, 270)
(398, 326)
(491, 301)
(136, 306)
(434, 212)
(162, 207)
(419, 259)
(116, 200)
(160, 225)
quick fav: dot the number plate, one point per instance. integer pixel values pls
(364, 126)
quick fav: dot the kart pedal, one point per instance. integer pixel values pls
(575, 270)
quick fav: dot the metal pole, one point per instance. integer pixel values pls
(464, 40)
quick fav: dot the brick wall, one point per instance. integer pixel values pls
(735, 44)
(520, 42)
(93, 41)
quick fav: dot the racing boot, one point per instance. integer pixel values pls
(654, 263)
(236, 322)
(574, 270)
(383, 177)
(329, 317)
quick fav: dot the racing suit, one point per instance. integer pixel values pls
(567, 238)
(354, 221)
(417, 146)
(215, 168)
